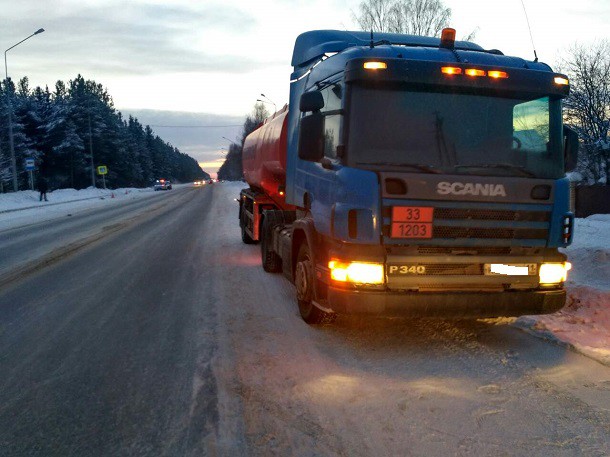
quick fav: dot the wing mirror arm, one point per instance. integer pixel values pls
(570, 148)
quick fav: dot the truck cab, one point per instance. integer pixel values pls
(423, 177)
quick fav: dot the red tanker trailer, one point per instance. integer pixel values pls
(264, 165)
(264, 157)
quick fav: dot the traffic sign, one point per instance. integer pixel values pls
(30, 164)
(102, 170)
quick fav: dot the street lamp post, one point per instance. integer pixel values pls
(10, 114)
(270, 101)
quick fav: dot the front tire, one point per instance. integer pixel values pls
(304, 282)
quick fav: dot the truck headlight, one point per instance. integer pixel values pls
(554, 273)
(356, 272)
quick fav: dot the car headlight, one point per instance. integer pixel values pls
(357, 272)
(554, 273)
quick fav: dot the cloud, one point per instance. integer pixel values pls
(128, 38)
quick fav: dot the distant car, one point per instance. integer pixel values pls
(162, 184)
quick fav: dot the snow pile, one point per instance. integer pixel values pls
(584, 322)
(590, 252)
(22, 208)
(30, 198)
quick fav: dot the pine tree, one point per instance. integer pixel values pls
(60, 129)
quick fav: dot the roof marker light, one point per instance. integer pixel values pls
(447, 38)
(451, 70)
(375, 65)
(475, 72)
(561, 81)
(497, 74)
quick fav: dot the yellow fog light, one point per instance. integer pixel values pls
(356, 272)
(554, 273)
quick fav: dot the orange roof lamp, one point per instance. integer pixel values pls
(447, 38)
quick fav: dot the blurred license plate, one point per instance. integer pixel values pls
(513, 269)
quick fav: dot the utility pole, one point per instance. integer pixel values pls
(91, 144)
(10, 115)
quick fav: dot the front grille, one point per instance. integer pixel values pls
(476, 221)
(434, 269)
(451, 250)
(491, 215)
(488, 233)
(484, 214)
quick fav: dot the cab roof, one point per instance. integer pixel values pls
(313, 45)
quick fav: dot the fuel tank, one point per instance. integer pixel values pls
(264, 157)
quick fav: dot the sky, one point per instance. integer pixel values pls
(180, 63)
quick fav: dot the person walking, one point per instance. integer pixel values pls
(43, 186)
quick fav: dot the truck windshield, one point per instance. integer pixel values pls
(455, 133)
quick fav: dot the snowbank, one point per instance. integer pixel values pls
(23, 207)
(30, 198)
(584, 323)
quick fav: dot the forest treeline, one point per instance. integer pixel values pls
(61, 130)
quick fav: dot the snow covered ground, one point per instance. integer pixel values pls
(583, 324)
(23, 208)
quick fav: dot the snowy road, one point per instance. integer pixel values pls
(39, 240)
(168, 338)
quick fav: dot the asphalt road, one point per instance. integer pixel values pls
(27, 247)
(98, 350)
(166, 337)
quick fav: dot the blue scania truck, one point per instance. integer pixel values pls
(413, 176)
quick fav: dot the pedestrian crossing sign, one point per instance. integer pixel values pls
(102, 170)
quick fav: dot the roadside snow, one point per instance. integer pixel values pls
(24, 208)
(584, 323)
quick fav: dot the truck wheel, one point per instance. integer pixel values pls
(304, 282)
(272, 262)
(247, 239)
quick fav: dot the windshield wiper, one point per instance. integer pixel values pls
(503, 166)
(417, 166)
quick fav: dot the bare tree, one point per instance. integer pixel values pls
(375, 15)
(420, 17)
(231, 169)
(414, 17)
(587, 108)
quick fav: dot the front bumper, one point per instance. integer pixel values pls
(445, 304)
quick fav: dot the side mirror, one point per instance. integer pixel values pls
(570, 148)
(311, 101)
(311, 137)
